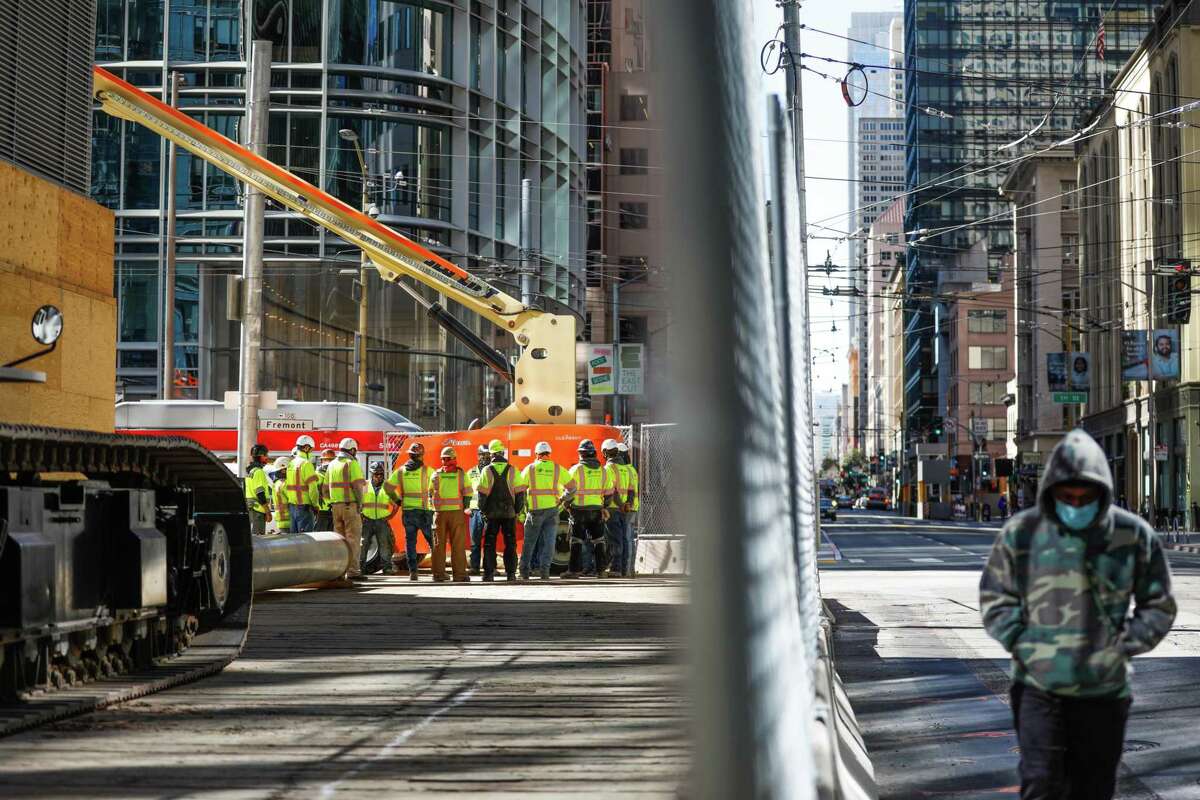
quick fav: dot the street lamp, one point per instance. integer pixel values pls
(367, 207)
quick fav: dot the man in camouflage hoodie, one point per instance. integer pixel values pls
(1056, 593)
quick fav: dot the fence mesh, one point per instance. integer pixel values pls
(654, 450)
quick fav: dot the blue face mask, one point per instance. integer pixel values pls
(1076, 517)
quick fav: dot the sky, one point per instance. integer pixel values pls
(824, 119)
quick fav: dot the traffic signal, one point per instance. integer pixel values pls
(936, 426)
(1179, 296)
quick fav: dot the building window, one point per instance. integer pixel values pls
(987, 357)
(985, 394)
(1067, 190)
(633, 269)
(634, 160)
(633, 216)
(634, 108)
(986, 321)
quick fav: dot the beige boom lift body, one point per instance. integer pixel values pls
(544, 379)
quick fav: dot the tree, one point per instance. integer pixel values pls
(829, 466)
(855, 460)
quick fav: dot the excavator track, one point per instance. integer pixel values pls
(126, 567)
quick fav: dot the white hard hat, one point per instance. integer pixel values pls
(542, 447)
(280, 463)
(347, 444)
(305, 441)
(609, 444)
(622, 447)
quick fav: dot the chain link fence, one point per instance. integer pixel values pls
(653, 462)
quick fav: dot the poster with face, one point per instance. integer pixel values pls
(1135, 360)
(1164, 355)
(1079, 374)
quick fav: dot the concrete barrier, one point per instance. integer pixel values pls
(294, 559)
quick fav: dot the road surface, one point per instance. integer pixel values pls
(929, 687)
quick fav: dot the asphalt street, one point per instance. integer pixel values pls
(930, 688)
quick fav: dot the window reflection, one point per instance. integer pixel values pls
(408, 166)
(383, 33)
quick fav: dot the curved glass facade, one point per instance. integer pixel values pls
(453, 106)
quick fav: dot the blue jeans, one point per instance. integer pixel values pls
(616, 541)
(476, 538)
(303, 519)
(415, 519)
(540, 531)
(630, 543)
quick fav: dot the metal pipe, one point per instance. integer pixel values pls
(257, 113)
(168, 346)
(297, 558)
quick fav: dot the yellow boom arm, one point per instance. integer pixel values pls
(544, 379)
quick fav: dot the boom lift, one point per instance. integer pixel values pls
(544, 378)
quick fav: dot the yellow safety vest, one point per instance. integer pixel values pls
(635, 485)
(257, 479)
(515, 484)
(473, 476)
(302, 482)
(545, 482)
(376, 504)
(413, 487)
(628, 481)
(447, 488)
(593, 485)
(618, 480)
(340, 479)
(283, 516)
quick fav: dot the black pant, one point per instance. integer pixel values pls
(507, 528)
(588, 525)
(1070, 746)
(324, 519)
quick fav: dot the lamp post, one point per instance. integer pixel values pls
(360, 345)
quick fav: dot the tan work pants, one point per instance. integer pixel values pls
(449, 527)
(347, 521)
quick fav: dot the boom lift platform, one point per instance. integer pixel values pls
(544, 378)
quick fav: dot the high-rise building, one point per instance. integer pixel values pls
(626, 277)
(454, 105)
(982, 87)
(876, 133)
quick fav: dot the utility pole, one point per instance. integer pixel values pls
(168, 345)
(258, 105)
(616, 327)
(364, 263)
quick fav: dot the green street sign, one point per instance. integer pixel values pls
(1069, 397)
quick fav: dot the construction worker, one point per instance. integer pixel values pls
(587, 507)
(303, 487)
(482, 459)
(344, 484)
(377, 513)
(283, 519)
(546, 483)
(258, 490)
(615, 526)
(450, 493)
(408, 486)
(632, 487)
(501, 498)
(324, 512)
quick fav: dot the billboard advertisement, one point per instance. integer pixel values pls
(631, 378)
(1164, 355)
(601, 364)
(1135, 361)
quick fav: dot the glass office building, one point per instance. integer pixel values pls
(981, 74)
(455, 103)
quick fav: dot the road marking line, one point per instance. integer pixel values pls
(857, 560)
(330, 789)
(927, 561)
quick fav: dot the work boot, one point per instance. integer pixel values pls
(488, 578)
(412, 576)
(524, 575)
(570, 575)
(463, 579)
(545, 574)
(510, 578)
(440, 579)
(475, 571)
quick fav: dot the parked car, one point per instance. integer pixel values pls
(828, 509)
(878, 499)
(844, 501)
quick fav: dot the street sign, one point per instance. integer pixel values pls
(1069, 397)
(1160, 452)
(979, 427)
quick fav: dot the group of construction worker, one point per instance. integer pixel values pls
(450, 506)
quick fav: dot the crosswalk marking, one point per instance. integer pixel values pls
(926, 560)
